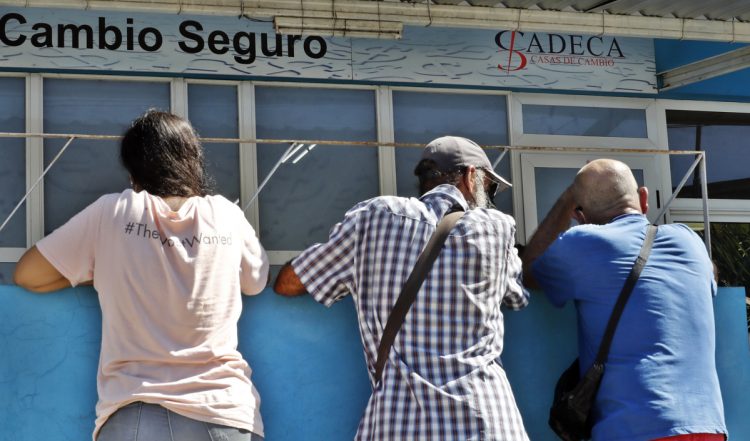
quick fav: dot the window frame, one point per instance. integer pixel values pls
(280, 257)
(515, 189)
(652, 141)
(691, 209)
(12, 254)
(531, 160)
(655, 109)
(656, 140)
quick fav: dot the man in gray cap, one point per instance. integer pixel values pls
(442, 379)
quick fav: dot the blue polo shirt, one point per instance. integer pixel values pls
(660, 378)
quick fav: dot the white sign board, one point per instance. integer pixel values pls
(73, 40)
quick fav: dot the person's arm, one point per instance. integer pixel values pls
(254, 274)
(288, 283)
(325, 270)
(65, 257)
(35, 273)
(556, 222)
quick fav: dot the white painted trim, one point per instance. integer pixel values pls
(428, 89)
(705, 106)
(118, 77)
(386, 155)
(550, 99)
(516, 177)
(248, 152)
(725, 205)
(524, 139)
(278, 257)
(11, 255)
(34, 158)
(662, 161)
(519, 209)
(178, 97)
(213, 82)
(679, 216)
(721, 210)
(296, 85)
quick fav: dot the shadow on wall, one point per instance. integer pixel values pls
(306, 360)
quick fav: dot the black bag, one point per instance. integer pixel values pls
(570, 414)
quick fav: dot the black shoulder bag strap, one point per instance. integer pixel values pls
(627, 289)
(411, 287)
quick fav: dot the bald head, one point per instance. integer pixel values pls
(605, 189)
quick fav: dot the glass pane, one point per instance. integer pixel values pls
(584, 121)
(723, 137)
(6, 273)
(308, 194)
(214, 113)
(550, 183)
(422, 117)
(12, 161)
(89, 168)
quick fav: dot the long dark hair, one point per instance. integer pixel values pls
(163, 155)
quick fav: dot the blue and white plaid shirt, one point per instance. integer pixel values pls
(442, 380)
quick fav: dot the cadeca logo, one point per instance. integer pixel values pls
(519, 49)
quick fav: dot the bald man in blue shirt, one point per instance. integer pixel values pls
(660, 380)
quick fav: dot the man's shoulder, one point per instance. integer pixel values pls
(682, 237)
(624, 228)
(588, 232)
(488, 216)
(390, 204)
(677, 229)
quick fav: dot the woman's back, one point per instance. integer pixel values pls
(169, 284)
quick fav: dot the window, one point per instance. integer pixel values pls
(584, 121)
(214, 113)
(580, 129)
(546, 176)
(420, 117)
(308, 194)
(89, 168)
(723, 136)
(12, 173)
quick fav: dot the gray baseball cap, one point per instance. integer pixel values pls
(452, 152)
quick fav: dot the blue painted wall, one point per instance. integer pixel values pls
(307, 364)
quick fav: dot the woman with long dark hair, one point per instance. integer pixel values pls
(169, 263)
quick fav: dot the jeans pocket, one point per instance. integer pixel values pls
(122, 425)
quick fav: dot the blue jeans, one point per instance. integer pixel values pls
(150, 422)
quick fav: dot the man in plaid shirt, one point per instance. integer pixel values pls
(443, 379)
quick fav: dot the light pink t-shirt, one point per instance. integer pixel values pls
(169, 287)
